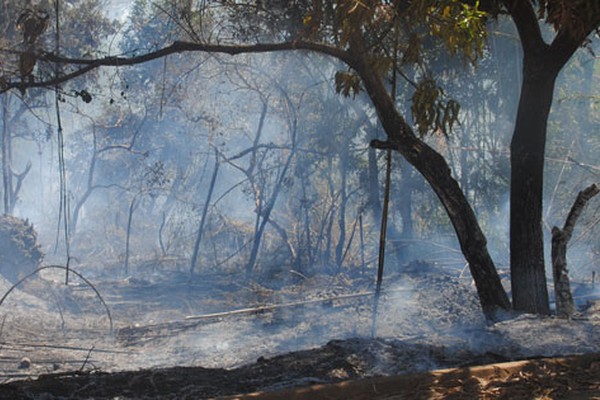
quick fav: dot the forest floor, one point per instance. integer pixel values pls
(214, 336)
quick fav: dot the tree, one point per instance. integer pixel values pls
(14, 108)
(198, 241)
(573, 21)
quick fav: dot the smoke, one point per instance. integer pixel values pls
(319, 214)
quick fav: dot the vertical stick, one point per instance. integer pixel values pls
(132, 207)
(386, 201)
(382, 237)
(362, 244)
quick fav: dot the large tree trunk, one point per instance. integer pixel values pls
(541, 64)
(470, 236)
(528, 277)
(437, 172)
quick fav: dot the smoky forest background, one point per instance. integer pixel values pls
(203, 163)
(262, 169)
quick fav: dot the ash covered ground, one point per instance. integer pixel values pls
(245, 337)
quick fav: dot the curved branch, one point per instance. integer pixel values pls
(566, 43)
(87, 65)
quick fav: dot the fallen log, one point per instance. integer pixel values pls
(274, 307)
(135, 334)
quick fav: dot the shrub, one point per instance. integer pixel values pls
(19, 252)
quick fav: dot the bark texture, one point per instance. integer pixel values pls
(528, 278)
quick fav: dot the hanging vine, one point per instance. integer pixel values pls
(63, 214)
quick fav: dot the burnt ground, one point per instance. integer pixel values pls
(308, 374)
(214, 336)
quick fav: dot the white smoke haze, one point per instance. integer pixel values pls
(154, 131)
(425, 322)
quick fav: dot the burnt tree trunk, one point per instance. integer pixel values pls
(562, 288)
(436, 171)
(560, 238)
(373, 184)
(541, 64)
(528, 277)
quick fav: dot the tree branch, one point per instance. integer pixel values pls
(582, 199)
(87, 65)
(567, 41)
(526, 21)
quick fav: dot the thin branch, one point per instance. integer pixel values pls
(87, 358)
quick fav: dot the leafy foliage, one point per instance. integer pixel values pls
(32, 23)
(573, 16)
(32, 29)
(430, 112)
(347, 83)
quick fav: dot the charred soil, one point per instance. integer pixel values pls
(212, 337)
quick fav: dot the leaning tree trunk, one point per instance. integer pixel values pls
(436, 171)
